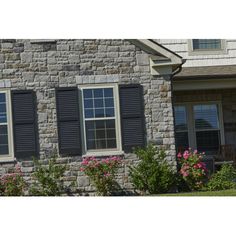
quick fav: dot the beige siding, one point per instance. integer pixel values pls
(181, 47)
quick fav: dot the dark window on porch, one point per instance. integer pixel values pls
(197, 126)
(207, 128)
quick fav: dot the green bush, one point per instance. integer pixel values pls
(223, 179)
(152, 174)
(48, 179)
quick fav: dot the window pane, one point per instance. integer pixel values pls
(109, 102)
(88, 93)
(206, 116)
(2, 98)
(100, 134)
(111, 133)
(3, 140)
(181, 139)
(89, 113)
(206, 44)
(180, 118)
(208, 141)
(98, 93)
(108, 92)
(99, 112)
(110, 112)
(88, 103)
(98, 102)
(101, 144)
(111, 143)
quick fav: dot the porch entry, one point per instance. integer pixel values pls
(200, 126)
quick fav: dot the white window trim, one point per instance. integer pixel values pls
(102, 152)
(10, 156)
(195, 52)
(191, 123)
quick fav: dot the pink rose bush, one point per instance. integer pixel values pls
(101, 172)
(12, 184)
(192, 169)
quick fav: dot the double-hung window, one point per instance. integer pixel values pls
(101, 118)
(199, 126)
(6, 150)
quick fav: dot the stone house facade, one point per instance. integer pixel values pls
(77, 98)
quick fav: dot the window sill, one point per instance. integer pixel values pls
(103, 154)
(7, 159)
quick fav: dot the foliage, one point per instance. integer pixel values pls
(152, 174)
(101, 173)
(48, 179)
(223, 179)
(12, 184)
(192, 169)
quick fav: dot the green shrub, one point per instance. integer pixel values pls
(152, 174)
(223, 179)
(12, 184)
(48, 179)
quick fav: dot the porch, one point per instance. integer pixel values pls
(205, 117)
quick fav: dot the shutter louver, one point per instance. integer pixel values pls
(24, 123)
(68, 121)
(132, 116)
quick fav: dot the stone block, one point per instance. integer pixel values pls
(62, 47)
(28, 76)
(83, 181)
(71, 67)
(26, 57)
(142, 59)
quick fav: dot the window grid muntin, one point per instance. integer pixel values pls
(116, 117)
(96, 108)
(96, 130)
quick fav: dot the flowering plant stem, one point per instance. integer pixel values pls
(12, 184)
(192, 169)
(101, 173)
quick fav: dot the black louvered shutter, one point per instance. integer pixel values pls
(68, 121)
(132, 116)
(24, 123)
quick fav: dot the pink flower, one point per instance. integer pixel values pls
(185, 174)
(186, 155)
(179, 155)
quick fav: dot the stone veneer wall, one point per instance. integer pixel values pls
(228, 101)
(44, 65)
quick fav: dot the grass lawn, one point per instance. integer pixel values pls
(230, 192)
